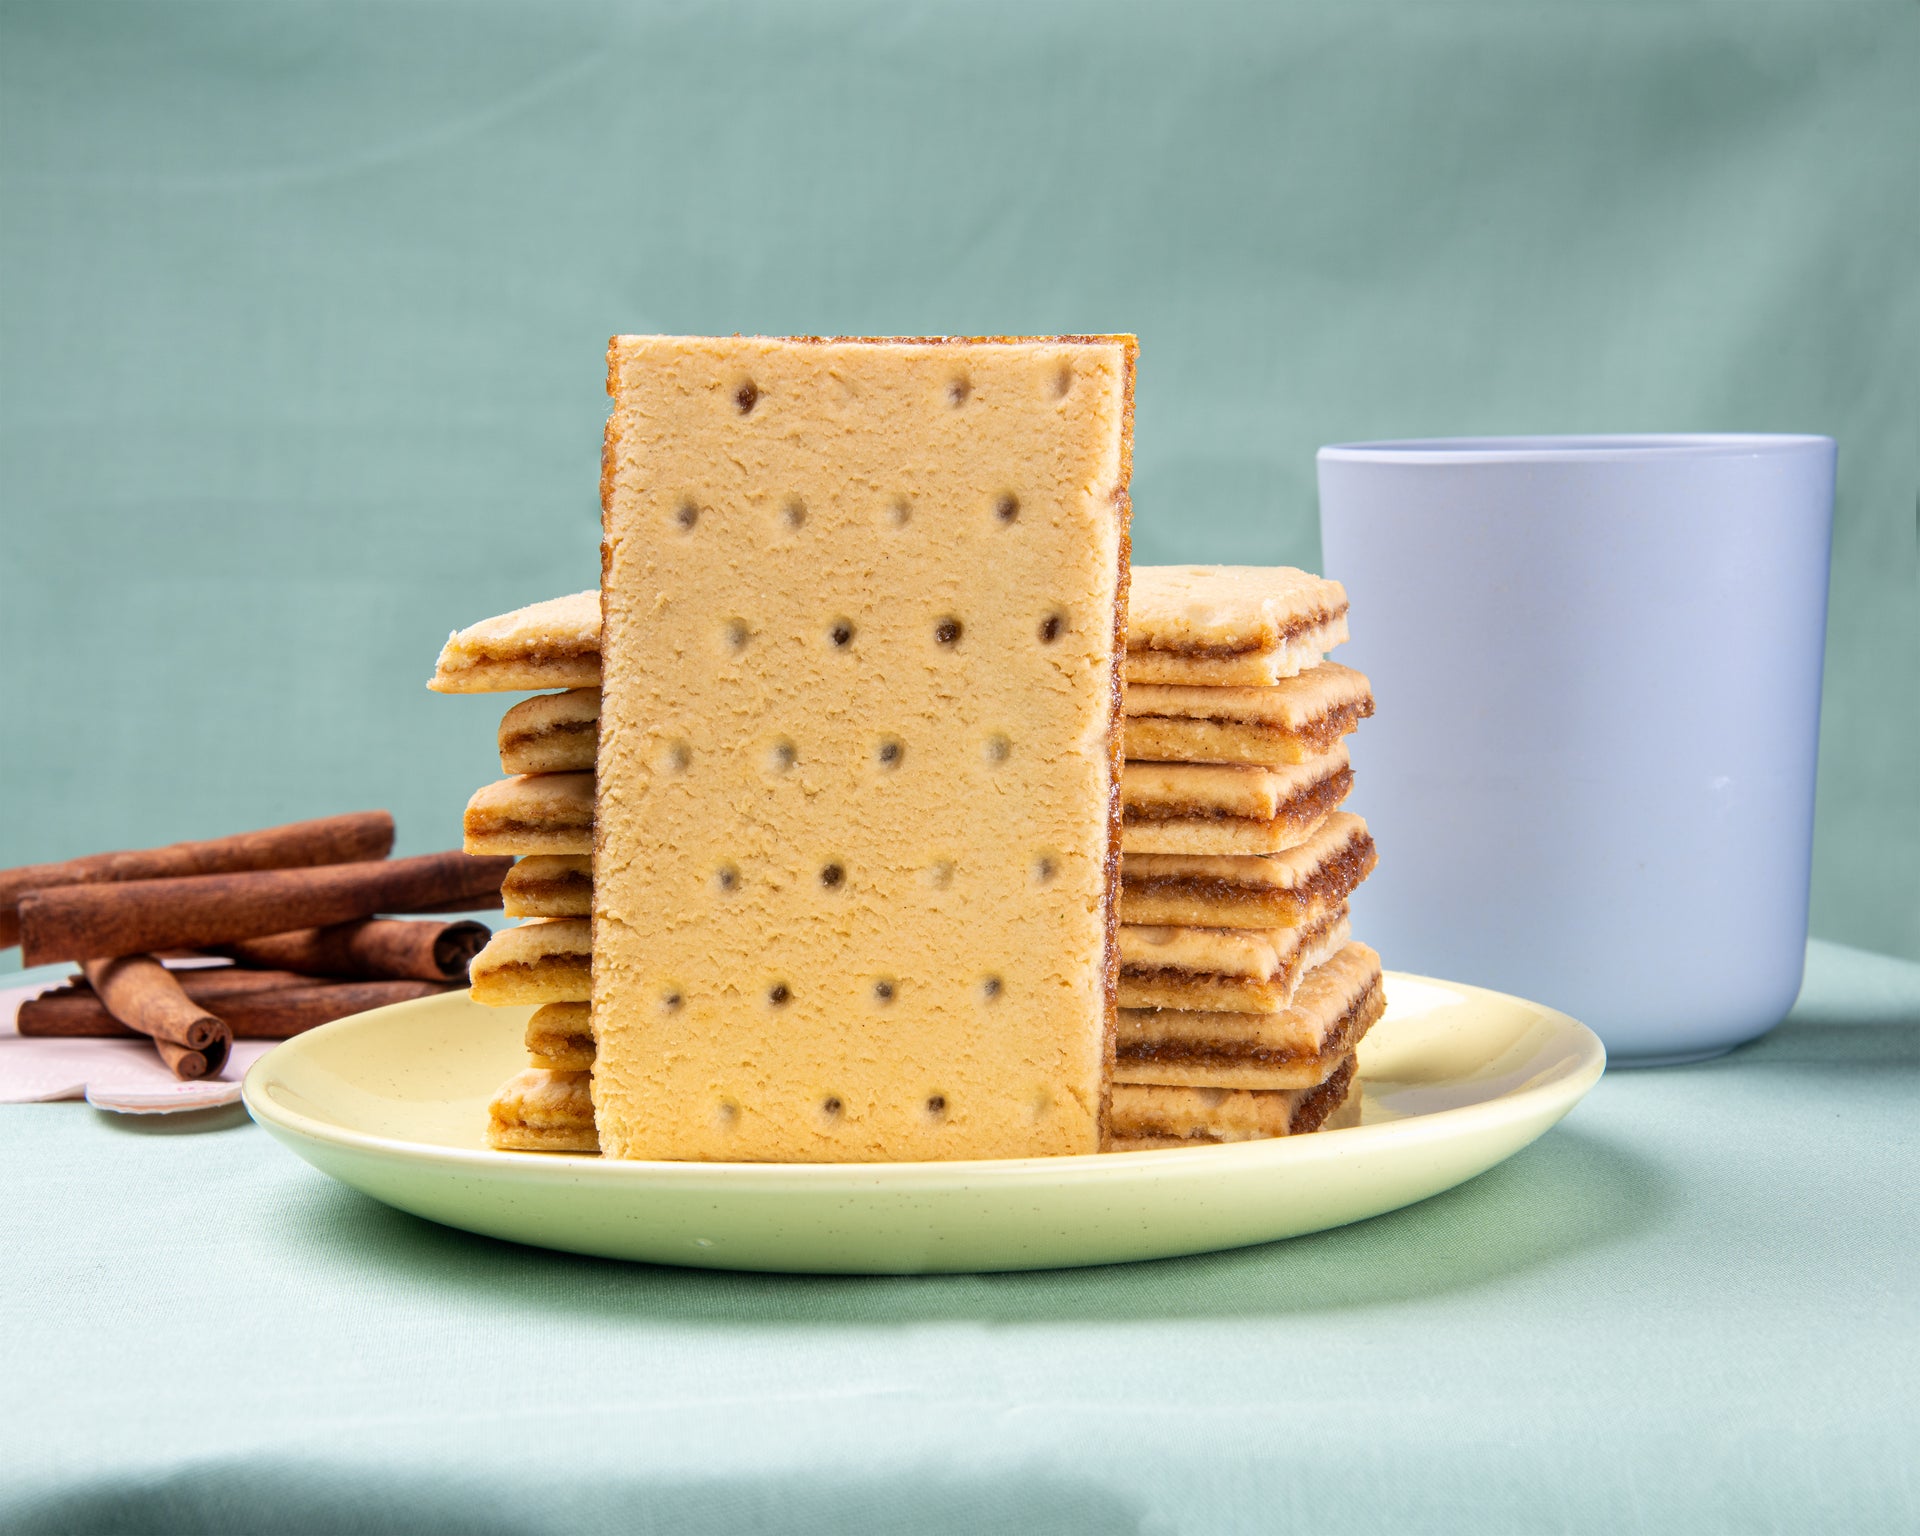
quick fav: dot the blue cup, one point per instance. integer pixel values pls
(1597, 665)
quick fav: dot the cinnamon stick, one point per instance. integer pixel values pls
(267, 1013)
(139, 992)
(208, 985)
(189, 1065)
(327, 840)
(214, 985)
(90, 921)
(372, 948)
(485, 901)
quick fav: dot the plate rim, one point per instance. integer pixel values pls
(1565, 1087)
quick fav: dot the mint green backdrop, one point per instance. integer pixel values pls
(302, 313)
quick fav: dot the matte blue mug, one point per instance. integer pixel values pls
(1597, 665)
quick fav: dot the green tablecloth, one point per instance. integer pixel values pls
(1694, 1306)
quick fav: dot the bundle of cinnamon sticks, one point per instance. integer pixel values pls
(290, 910)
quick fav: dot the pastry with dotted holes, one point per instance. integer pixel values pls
(858, 775)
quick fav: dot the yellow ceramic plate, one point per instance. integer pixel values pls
(394, 1103)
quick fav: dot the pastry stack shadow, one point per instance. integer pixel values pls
(1242, 993)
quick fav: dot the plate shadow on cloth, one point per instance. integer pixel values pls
(1570, 1192)
(319, 1500)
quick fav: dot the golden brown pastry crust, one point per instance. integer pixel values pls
(560, 1037)
(546, 960)
(532, 813)
(551, 733)
(1337, 1003)
(551, 644)
(541, 1110)
(1221, 808)
(549, 885)
(1157, 1119)
(1291, 954)
(774, 492)
(1282, 890)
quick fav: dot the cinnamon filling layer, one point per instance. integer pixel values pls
(481, 824)
(549, 1121)
(1319, 733)
(573, 1048)
(1311, 935)
(1172, 976)
(1292, 631)
(558, 730)
(1336, 877)
(554, 885)
(1347, 1030)
(1315, 800)
(1312, 1111)
(547, 968)
(1308, 1114)
(540, 657)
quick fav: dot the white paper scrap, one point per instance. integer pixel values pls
(126, 1076)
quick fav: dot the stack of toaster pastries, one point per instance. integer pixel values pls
(542, 813)
(1242, 993)
(919, 999)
